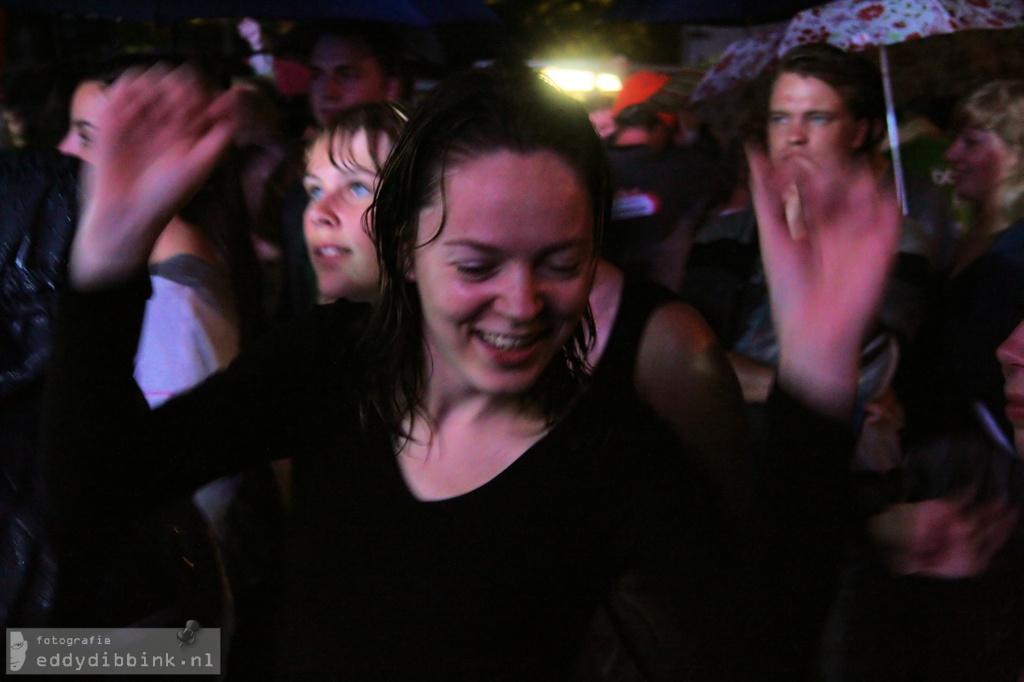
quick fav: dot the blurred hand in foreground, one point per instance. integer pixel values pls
(161, 137)
(829, 237)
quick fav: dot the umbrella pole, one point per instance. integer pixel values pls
(894, 132)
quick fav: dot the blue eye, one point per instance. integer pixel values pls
(820, 119)
(314, 193)
(360, 190)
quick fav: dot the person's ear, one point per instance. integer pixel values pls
(860, 135)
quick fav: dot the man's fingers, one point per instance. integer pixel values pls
(794, 212)
(766, 193)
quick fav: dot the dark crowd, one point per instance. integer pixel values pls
(396, 382)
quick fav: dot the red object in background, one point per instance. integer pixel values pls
(292, 77)
(639, 87)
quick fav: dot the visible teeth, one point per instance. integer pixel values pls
(329, 251)
(505, 341)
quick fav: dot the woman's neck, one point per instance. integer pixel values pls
(446, 402)
(985, 227)
(462, 444)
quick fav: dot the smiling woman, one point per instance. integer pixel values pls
(984, 299)
(509, 279)
(461, 504)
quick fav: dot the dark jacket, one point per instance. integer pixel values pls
(131, 568)
(38, 206)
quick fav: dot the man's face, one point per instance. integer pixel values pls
(19, 649)
(809, 121)
(343, 73)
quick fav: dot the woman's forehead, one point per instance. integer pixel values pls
(522, 193)
(346, 150)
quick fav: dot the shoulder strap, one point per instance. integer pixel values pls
(639, 299)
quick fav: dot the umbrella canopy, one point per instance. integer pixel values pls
(409, 12)
(741, 61)
(954, 54)
(856, 24)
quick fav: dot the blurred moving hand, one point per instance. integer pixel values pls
(162, 135)
(829, 237)
(943, 538)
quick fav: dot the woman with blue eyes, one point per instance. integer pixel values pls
(464, 497)
(342, 165)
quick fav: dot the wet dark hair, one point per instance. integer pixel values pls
(377, 119)
(857, 80)
(468, 116)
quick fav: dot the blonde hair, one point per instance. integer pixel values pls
(998, 107)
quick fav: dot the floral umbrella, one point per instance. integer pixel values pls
(859, 24)
(856, 24)
(741, 61)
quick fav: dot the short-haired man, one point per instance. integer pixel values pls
(824, 118)
(825, 112)
(352, 64)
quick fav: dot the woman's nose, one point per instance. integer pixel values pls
(953, 153)
(1011, 351)
(69, 145)
(519, 298)
(323, 212)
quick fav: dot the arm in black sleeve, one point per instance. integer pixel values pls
(793, 546)
(105, 451)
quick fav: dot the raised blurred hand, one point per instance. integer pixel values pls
(829, 237)
(943, 538)
(160, 136)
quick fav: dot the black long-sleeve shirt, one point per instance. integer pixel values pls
(498, 583)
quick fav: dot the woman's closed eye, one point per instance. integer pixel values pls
(476, 271)
(562, 268)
